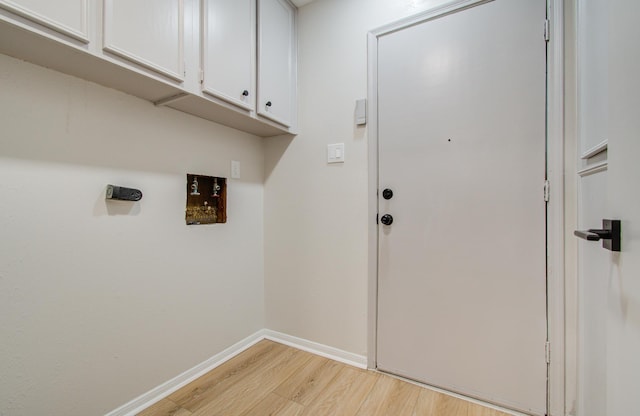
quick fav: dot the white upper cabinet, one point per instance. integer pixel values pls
(68, 17)
(229, 50)
(229, 61)
(149, 33)
(276, 61)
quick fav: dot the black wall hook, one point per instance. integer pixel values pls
(123, 194)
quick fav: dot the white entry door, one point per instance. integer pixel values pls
(609, 178)
(461, 271)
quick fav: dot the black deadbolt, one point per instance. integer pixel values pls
(386, 219)
(387, 194)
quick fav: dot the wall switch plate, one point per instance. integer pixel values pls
(335, 153)
(235, 169)
(361, 112)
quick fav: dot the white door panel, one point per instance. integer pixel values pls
(623, 199)
(228, 51)
(68, 17)
(148, 33)
(592, 78)
(609, 295)
(592, 288)
(276, 63)
(462, 283)
(592, 207)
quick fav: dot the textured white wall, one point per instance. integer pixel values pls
(316, 214)
(102, 301)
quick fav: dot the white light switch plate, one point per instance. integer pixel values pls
(361, 112)
(335, 153)
(235, 169)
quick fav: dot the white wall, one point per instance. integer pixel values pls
(316, 214)
(102, 301)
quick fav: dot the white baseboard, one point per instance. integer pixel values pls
(322, 350)
(153, 396)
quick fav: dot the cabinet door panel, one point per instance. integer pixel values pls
(276, 65)
(148, 33)
(68, 17)
(228, 51)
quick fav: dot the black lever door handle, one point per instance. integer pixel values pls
(593, 235)
(610, 234)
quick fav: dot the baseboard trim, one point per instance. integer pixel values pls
(322, 350)
(153, 396)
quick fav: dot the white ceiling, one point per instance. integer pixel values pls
(300, 3)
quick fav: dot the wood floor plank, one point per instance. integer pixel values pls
(433, 403)
(275, 405)
(165, 407)
(223, 377)
(390, 396)
(344, 395)
(297, 385)
(255, 386)
(304, 386)
(426, 403)
(478, 410)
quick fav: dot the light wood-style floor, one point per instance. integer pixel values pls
(270, 379)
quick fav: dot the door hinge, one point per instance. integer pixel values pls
(547, 352)
(546, 191)
(201, 76)
(547, 34)
(377, 218)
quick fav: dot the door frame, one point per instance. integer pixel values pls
(555, 176)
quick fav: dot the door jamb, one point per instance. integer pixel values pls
(555, 176)
(555, 207)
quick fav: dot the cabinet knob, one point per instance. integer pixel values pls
(268, 104)
(245, 93)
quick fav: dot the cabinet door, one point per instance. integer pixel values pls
(228, 51)
(276, 61)
(148, 33)
(68, 17)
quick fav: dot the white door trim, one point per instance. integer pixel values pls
(555, 208)
(555, 175)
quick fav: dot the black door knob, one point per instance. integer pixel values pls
(268, 104)
(386, 219)
(387, 194)
(245, 93)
